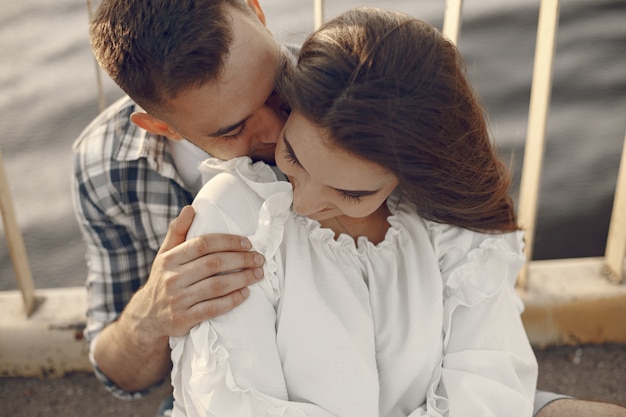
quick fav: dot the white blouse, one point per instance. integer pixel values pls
(424, 323)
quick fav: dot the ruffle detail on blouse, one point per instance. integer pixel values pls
(480, 274)
(258, 175)
(475, 265)
(483, 273)
(436, 405)
(278, 197)
(213, 387)
(269, 235)
(362, 245)
(487, 268)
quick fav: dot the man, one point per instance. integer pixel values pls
(213, 87)
(201, 77)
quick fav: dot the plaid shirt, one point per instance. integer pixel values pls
(126, 192)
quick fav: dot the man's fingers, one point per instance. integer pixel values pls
(177, 230)
(210, 297)
(214, 244)
(233, 270)
(208, 309)
(221, 285)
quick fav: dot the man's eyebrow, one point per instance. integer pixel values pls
(227, 129)
(358, 193)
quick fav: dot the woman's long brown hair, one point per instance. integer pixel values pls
(391, 89)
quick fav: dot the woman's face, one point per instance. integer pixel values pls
(328, 181)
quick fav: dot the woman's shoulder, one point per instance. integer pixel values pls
(233, 193)
(453, 242)
(470, 259)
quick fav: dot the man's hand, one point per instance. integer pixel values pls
(191, 281)
(194, 281)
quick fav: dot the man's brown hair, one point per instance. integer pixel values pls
(153, 49)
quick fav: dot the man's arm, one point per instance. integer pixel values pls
(125, 194)
(133, 351)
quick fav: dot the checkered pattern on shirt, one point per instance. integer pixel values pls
(126, 192)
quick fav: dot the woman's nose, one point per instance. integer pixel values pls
(306, 199)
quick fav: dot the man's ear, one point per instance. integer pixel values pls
(256, 8)
(155, 126)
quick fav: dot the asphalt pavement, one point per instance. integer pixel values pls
(586, 372)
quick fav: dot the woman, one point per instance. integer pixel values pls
(389, 286)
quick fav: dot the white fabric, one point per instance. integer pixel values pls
(187, 158)
(425, 323)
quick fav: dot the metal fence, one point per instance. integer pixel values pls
(613, 261)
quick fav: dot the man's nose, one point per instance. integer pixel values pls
(276, 111)
(272, 124)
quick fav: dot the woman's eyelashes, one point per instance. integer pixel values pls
(351, 198)
(290, 157)
(289, 154)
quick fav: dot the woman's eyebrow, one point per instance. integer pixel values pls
(292, 154)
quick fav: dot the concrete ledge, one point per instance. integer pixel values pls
(570, 301)
(50, 342)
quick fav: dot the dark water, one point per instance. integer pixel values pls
(49, 93)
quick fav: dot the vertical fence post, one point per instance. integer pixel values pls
(15, 243)
(616, 241)
(537, 116)
(452, 20)
(318, 13)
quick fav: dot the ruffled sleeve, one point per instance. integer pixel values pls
(488, 367)
(229, 366)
